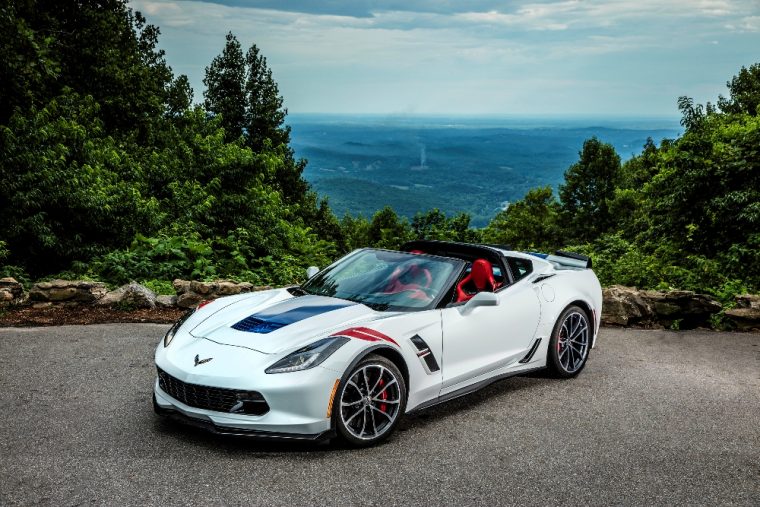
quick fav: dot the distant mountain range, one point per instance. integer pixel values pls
(477, 165)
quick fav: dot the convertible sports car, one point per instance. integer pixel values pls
(376, 335)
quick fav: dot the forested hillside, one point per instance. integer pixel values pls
(110, 171)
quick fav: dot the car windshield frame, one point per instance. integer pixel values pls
(458, 267)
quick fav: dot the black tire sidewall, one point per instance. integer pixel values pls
(342, 432)
(552, 359)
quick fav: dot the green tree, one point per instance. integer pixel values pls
(63, 197)
(265, 113)
(387, 230)
(225, 93)
(434, 224)
(530, 223)
(588, 190)
(744, 92)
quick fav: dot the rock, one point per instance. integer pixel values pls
(11, 292)
(203, 288)
(742, 301)
(164, 301)
(181, 286)
(227, 288)
(190, 293)
(687, 308)
(79, 291)
(623, 306)
(746, 313)
(132, 295)
(46, 304)
(189, 300)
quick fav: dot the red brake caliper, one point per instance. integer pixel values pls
(383, 396)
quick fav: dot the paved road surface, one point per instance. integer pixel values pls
(656, 418)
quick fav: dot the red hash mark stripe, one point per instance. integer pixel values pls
(365, 333)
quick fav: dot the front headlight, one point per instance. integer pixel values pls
(308, 356)
(173, 330)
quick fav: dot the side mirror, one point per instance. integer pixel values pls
(480, 299)
(311, 271)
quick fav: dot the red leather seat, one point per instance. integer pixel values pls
(479, 279)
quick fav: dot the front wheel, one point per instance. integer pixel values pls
(371, 402)
(569, 343)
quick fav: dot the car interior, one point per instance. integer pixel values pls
(485, 271)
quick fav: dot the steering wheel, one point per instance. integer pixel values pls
(416, 289)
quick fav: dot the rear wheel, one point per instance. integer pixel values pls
(569, 343)
(371, 402)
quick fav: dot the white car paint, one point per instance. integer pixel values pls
(471, 344)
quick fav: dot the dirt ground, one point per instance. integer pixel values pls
(58, 315)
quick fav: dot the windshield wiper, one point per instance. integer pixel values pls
(359, 298)
(298, 291)
(378, 307)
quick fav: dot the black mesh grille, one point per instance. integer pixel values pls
(213, 398)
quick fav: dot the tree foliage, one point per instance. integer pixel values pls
(588, 190)
(107, 170)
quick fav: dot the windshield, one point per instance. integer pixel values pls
(385, 280)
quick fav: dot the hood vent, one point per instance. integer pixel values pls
(285, 313)
(254, 324)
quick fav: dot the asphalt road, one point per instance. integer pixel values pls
(657, 417)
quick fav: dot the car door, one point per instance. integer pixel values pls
(480, 339)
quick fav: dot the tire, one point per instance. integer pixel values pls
(567, 357)
(363, 420)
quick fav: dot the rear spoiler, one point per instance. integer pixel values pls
(566, 259)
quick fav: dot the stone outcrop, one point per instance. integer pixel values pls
(685, 307)
(190, 293)
(622, 306)
(165, 301)
(625, 306)
(67, 291)
(11, 292)
(132, 295)
(746, 313)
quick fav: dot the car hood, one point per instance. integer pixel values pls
(272, 324)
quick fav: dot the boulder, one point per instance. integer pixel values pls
(164, 301)
(11, 292)
(132, 295)
(746, 313)
(77, 291)
(189, 300)
(181, 286)
(190, 293)
(623, 306)
(685, 307)
(626, 306)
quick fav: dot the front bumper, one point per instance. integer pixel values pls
(210, 426)
(297, 402)
(238, 424)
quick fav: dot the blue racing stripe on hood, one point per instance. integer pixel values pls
(271, 320)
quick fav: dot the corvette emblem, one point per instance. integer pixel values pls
(201, 361)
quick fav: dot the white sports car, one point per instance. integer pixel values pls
(374, 336)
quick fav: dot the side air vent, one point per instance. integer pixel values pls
(425, 354)
(530, 353)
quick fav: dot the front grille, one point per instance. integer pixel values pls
(234, 401)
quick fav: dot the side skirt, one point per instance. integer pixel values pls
(469, 389)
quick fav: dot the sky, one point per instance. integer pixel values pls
(628, 58)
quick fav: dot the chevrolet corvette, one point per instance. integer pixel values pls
(375, 336)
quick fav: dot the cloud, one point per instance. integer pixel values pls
(478, 56)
